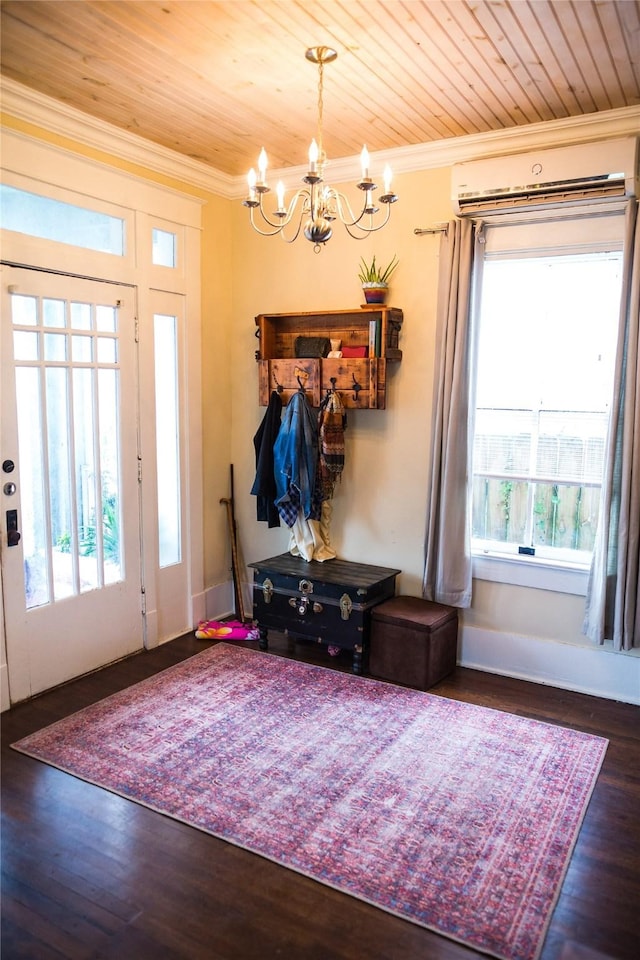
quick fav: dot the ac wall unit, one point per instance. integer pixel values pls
(580, 173)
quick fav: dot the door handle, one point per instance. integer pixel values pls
(13, 534)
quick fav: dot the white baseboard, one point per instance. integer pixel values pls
(594, 670)
(198, 607)
(4, 688)
(219, 601)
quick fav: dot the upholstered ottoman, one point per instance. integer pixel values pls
(413, 642)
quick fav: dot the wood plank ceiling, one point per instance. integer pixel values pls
(217, 80)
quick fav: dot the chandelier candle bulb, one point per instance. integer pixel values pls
(364, 161)
(251, 178)
(313, 156)
(262, 165)
(280, 196)
(387, 178)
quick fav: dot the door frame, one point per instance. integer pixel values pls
(43, 168)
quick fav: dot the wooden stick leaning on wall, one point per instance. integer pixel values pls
(235, 564)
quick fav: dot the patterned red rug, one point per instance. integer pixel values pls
(456, 817)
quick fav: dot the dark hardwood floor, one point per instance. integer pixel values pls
(87, 874)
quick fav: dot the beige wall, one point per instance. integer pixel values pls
(217, 383)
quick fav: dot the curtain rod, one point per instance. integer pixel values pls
(436, 228)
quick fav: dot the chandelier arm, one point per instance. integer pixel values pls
(355, 221)
(342, 202)
(303, 194)
(265, 233)
(280, 227)
(374, 227)
(355, 236)
(365, 231)
(295, 236)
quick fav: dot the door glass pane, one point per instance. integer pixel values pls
(167, 438)
(55, 346)
(106, 350)
(58, 441)
(25, 345)
(33, 509)
(24, 310)
(80, 316)
(106, 318)
(109, 533)
(81, 349)
(85, 476)
(53, 313)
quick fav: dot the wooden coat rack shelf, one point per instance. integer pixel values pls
(361, 381)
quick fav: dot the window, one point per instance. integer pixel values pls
(163, 248)
(39, 216)
(547, 330)
(167, 438)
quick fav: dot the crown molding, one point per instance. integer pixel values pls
(56, 117)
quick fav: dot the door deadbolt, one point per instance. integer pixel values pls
(8, 466)
(13, 535)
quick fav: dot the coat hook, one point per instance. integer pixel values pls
(357, 387)
(300, 384)
(279, 386)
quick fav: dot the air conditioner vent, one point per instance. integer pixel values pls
(606, 170)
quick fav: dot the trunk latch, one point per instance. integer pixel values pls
(346, 606)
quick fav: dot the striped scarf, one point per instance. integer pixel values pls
(332, 421)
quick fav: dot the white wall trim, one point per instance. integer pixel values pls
(5, 699)
(594, 670)
(531, 572)
(32, 107)
(25, 158)
(219, 601)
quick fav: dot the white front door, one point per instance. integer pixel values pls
(71, 568)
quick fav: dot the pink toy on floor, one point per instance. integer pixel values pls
(226, 630)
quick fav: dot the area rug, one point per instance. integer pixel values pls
(456, 817)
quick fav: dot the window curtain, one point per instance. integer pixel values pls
(613, 592)
(447, 570)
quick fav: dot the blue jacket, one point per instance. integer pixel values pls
(295, 459)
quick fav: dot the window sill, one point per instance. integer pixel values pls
(531, 572)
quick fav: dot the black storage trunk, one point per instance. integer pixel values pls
(413, 641)
(329, 602)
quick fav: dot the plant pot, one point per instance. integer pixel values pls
(375, 292)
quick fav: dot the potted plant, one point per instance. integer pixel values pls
(375, 279)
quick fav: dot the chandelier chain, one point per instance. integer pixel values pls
(320, 92)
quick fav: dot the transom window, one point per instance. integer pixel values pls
(50, 219)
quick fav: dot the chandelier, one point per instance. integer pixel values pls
(313, 208)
